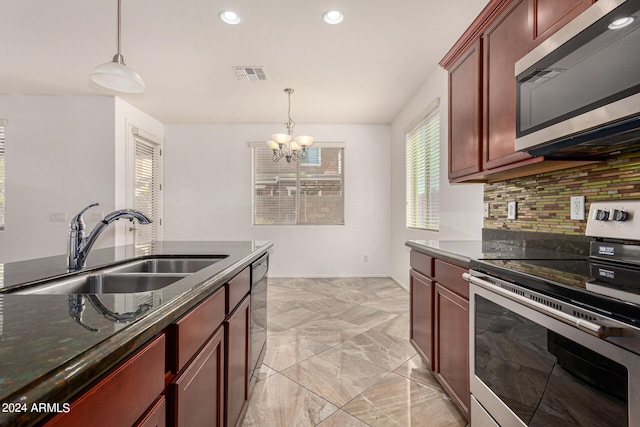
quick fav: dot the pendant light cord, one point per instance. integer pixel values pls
(119, 54)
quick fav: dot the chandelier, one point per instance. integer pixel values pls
(284, 146)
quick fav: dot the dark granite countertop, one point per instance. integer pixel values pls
(501, 244)
(46, 356)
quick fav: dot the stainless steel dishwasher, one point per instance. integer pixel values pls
(259, 270)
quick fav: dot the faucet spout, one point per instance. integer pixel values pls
(80, 244)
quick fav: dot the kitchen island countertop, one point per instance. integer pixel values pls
(46, 356)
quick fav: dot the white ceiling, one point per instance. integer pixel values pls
(361, 71)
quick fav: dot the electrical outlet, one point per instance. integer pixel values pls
(365, 258)
(577, 207)
(485, 210)
(511, 210)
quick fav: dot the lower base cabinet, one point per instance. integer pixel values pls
(124, 395)
(439, 323)
(237, 363)
(196, 395)
(452, 346)
(194, 374)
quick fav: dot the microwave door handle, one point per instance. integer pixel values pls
(584, 325)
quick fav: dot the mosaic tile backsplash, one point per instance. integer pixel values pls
(543, 200)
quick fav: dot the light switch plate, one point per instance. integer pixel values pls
(511, 210)
(57, 216)
(577, 207)
(485, 210)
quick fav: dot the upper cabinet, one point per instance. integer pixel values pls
(482, 90)
(548, 16)
(465, 113)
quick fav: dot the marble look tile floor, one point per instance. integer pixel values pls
(338, 355)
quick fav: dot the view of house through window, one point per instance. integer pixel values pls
(423, 171)
(309, 192)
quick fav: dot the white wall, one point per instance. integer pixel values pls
(460, 204)
(208, 195)
(62, 153)
(59, 158)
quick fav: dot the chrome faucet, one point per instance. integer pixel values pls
(80, 244)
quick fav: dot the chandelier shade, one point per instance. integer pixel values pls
(284, 146)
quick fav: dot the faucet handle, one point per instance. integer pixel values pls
(77, 223)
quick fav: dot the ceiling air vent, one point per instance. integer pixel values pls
(249, 73)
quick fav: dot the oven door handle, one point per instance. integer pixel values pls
(584, 325)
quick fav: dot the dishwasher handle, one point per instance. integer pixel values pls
(587, 326)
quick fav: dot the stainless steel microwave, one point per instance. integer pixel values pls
(578, 93)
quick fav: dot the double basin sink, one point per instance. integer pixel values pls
(143, 275)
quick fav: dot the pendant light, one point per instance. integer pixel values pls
(115, 75)
(282, 144)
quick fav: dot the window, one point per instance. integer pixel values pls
(309, 192)
(2, 171)
(423, 170)
(147, 176)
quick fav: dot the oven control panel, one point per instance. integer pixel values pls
(614, 219)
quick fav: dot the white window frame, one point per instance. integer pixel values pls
(422, 138)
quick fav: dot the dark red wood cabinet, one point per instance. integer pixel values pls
(421, 315)
(465, 113)
(237, 363)
(439, 324)
(482, 92)
(196, 394)
(194, 374)
(124, 395)
(548, 16)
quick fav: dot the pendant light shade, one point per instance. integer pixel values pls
(115, 75)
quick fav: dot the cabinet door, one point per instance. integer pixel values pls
(452, 346)
(464, 113)
(548, 16)
(237, 363)
(196, 395)
(504, 42)
(421, 316)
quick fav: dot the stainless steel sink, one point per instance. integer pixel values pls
(143, 275)
(165, 265)
(107, 283)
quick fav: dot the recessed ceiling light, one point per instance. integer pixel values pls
(621, 23)
(333, 17)
(230, 17)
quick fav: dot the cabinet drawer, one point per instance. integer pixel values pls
(421, 263)
(237, 288)
(450, 276)
(189, 334)
(123, 395)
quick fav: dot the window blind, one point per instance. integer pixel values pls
(423, 173)
(148, 185)
(309, 192)
(2, 174)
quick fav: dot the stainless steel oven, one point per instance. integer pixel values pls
(541, 361)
